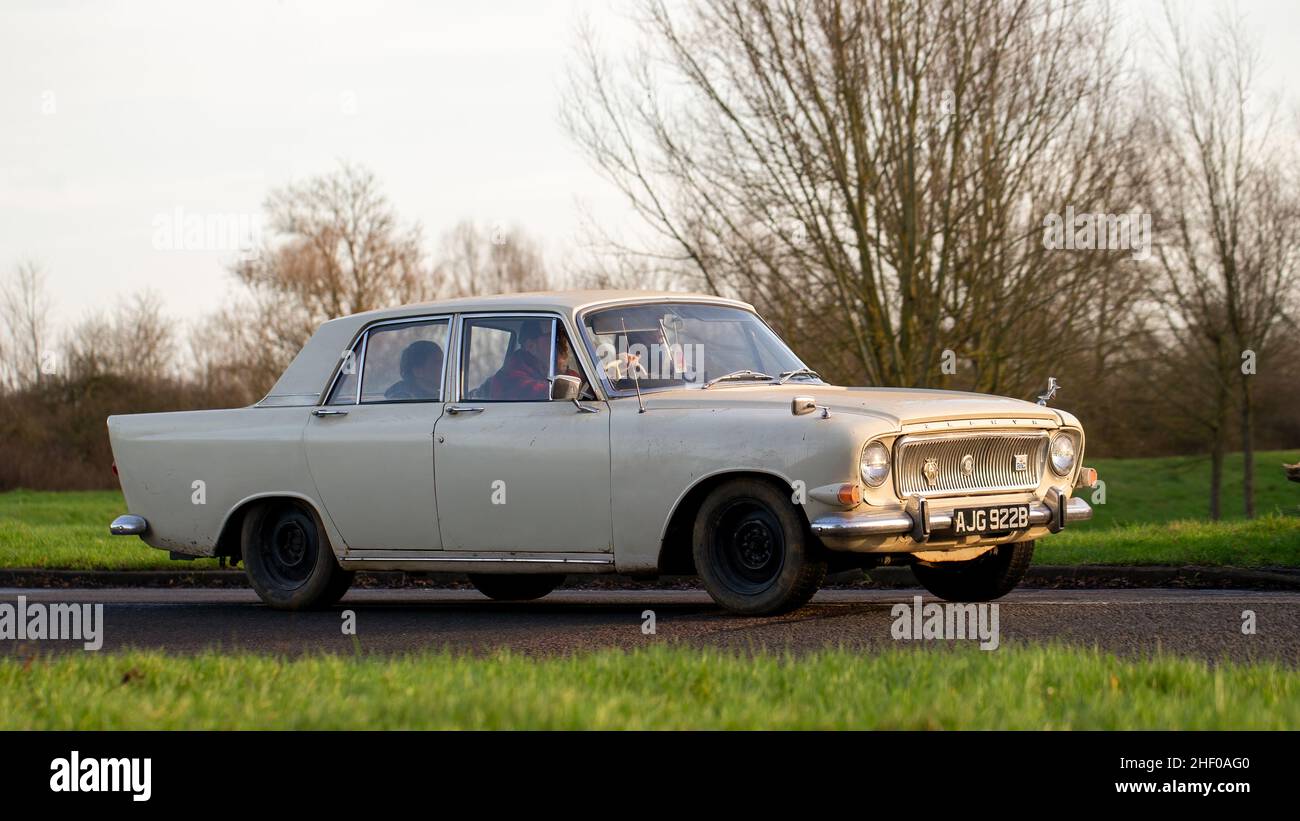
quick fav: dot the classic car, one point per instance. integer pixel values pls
(521, 438)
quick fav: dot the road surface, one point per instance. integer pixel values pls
(1202, 623)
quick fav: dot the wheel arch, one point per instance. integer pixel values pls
(675, 548)
(229, 541)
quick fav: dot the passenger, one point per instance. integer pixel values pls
(421, 369)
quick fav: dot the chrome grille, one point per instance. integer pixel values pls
(993, 456)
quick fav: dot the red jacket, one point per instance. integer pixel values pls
(521, 378)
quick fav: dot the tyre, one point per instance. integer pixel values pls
(515, 586)
(990, 576)
(752, 550)
(288, 558)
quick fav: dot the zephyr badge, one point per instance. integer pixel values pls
(1022, 462)
(930, 470)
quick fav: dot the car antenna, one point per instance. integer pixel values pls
(632, 369)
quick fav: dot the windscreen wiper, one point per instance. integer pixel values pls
(737, 375)
(786, 376)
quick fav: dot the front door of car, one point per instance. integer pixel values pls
(370, 447)
(516, 471)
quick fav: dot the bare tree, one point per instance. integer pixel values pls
(874, 175)
(338, 248)
(25, 310)
(137, 340)
(474, 260)
(227, 358)
(1230, 193)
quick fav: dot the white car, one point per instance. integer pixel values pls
(524, 437)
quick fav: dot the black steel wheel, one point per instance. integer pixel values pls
(288, 559)
(753, 551)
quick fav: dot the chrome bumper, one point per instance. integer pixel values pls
(128, 525)
(922, 521)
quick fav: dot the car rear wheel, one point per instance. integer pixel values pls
(987, 577)
(288, 559)
(753, 551)
(515, 586)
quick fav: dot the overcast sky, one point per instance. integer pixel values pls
(114, 113)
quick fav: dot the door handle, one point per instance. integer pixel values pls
(328, 412)
(459, 409)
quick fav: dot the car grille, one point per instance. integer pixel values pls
(992, 462)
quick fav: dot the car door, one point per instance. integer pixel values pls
(370, 446)
(516, 471)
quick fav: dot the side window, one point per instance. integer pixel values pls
(405, 363)
(508, 359)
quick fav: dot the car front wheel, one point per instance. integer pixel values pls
(987, 577)
(288, 559)
(753, 552)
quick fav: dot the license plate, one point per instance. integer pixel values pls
(982, 520)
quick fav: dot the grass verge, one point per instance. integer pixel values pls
(658, 688)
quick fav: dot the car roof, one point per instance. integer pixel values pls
(562, 301)
(303, 380)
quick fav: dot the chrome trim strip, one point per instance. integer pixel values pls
(128, 525)
(361, 365)
(455, 559)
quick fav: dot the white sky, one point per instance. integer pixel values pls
(206, 106)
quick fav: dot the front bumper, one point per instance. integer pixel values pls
(920, 523)
(128, 525)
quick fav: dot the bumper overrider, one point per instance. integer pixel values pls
(919, 522)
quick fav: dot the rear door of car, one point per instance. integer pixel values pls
(528, 475)
(370, 445)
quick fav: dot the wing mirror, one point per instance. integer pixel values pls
(565, 388)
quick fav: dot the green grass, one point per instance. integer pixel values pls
(70, 530)
(657, 688)
(1155, 513)
(1141, 491)
(1269, 541)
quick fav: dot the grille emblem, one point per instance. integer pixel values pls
(967, 465)
(1022, 462)
(930, 470)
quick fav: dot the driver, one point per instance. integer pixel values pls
(524, 374)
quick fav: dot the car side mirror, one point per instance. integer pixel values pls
(565, 388)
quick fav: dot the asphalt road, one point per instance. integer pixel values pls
(1206, 624)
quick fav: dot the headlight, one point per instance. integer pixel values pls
(1062, 453)
(874, 464)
